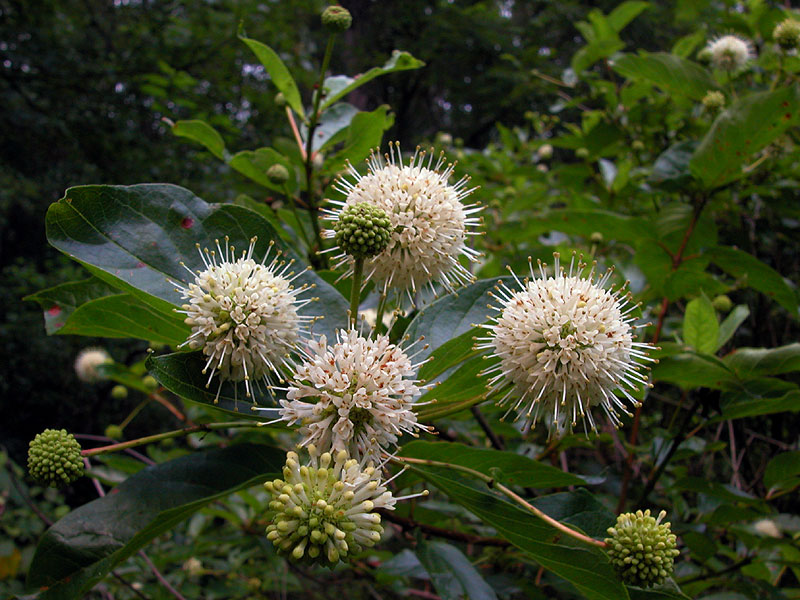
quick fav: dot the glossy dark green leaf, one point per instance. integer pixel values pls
(202, 133)
(731, 323)
(508, 467)
(671, 169)
(594, 51)
(450, 354)
(783, 471)
(339, 86)
(59, 302)
(278, 72)
(689, 370)
(671, 73)
(744, 128)
(755, 274)
(451, 573)
(90, 541)
(332, 121)
(462, 389)
(700, 326)
(359, 139)
(756, 362)
(585, 222)
(764, 396)
(714, 489)
(585, 567)
(625, 13)
(579, 508)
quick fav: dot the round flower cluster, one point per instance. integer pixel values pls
(642, 549)
(713, 101)
(428, 221)
(730, 53)
(336, 19)
(327, 506)
(243, 315)
(54, 458)
(565, 346)
(361, 393)
(362, 230)
(87, 363)
(787, 34)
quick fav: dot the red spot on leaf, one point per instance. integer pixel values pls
(140, 265)
(114, 491)
(59, 325)
(785, 103)
(54, 310)
(187, 222)
(787, 116)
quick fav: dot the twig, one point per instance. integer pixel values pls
(25, 498)
(161, 579)
(495, 439)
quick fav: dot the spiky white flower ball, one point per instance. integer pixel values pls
(566, 346)
(327, 511)
(730, 53)
(354, 395)
(428, 220)
(87, 363)
(243, 315)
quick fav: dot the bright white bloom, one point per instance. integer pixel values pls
(730, 53)
(243, 315)
(767, 527)
(565, 346)
(327, 510)
(354, 395)
(428, 220)
(87, 362)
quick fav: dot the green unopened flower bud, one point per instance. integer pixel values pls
(596, 237)
(54, 458)
(787, 34)
(150, 383)
(642, 549)
(582, 153)
(704, 56)
(336, 18)
(114, 432)
(362, 230)
(119, 392)
(280, 100)
(278, 174)
(713, 101)
(637, 145)
(722, 303)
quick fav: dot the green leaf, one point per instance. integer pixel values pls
(181, 373)
(338, 87)
(332, 121)
(625, 13)
(671, 73)
(450, 354)
(587, 568)
(462, 389)
(585, 222)
(744, 128)
(363, 134)
(689, 370)
(700, 326)
(671, 169)
(255, 164)
(765, 396)
(783, 471)
(684, 46)
(731, 323)
(59, 302)
(202, 133)
(755, 274)
(80, 549)
(594, 51)
(668, 590)
(123, 316)
(278, 72)
(452, 575)
(507, 467)
(748, 363)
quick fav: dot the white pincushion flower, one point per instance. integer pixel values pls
(429, 223)
(243, 315)
(730, 53)
(87, 362)
(327, 510)
(565, 346)
(354, 395)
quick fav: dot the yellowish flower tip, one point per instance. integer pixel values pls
(54, 458)
(713, 101)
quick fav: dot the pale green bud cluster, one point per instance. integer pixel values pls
(642, 549)
(787, 34)
(713, 101)
(54, 458)
(324, 510)
(278, 174)
(336, 18)
(362, 230)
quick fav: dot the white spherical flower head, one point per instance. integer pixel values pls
(354, 395)
(428, 220)
(730, 53)
(87, 362)
(565, 345)
(243, 315)
(325, 509)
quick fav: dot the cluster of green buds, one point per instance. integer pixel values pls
(713, 101)
(54, 458)
(787, 34)
(642, 549)
(362, 230)
(336, 19)
(326, 508)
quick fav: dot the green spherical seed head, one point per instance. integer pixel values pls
(722, 303)
(714, 100)
(114, 432)
(54, 458)
(280, 99)
(362, 230)
(119, 392)
(582, 153)
(642, 548)
(787, 34)
(278, 174)
(336, 18)
(150, 382)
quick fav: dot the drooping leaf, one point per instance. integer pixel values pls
(671, 73)
(783, 471)
(731, 323)
(364, 133)
(462, 389)
(451, 573)
(689, 370)
(278, 72)
(763, 396)
(756, 362)
(700, 326)
(81, 548)
(202, 133)
(339, 86)
(59, 302)
(450, 354)
(332, 121)
(625, 13)
(744, 128)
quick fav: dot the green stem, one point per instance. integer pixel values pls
(379, 316)
(166, 435)
(293, 205)
(355, 291)
(137, 409)
(490, 481)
